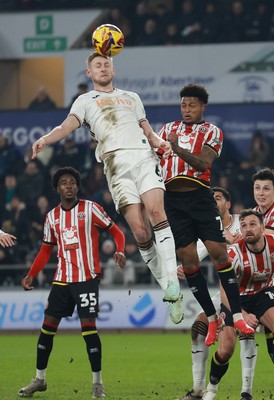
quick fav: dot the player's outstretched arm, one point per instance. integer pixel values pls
(6, 240)
(58, 133)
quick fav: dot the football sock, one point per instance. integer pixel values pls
(229, 282)
(93, 346)
(217, 369)
(248, 354)
(166, 249)
(269, 336)
(44, 345)
(97, 377)
(41, 373)
(153, 260)
(197, 284)
(199, 354)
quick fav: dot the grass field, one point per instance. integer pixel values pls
(136, 366)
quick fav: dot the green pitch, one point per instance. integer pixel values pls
(136, 366)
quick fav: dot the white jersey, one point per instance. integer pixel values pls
(233, 227)
(113, 119)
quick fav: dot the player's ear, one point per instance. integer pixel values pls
(88, 72)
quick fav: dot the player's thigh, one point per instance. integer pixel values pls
(265, 308)
(118, 169)
(181, 223)
(60, 303)
(86, 297)
(147, 176)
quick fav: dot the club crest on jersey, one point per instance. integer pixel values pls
(203, 129)
(272, 257)
(81, 215)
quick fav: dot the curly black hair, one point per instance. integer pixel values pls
(195, 90)
(63, 171)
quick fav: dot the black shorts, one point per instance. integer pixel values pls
(256, 304)
(63, 299)
(193, 215)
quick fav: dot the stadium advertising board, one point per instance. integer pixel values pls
(121, 309)
(237, 121)
(242, 72)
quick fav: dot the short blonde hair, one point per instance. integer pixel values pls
(94, 55)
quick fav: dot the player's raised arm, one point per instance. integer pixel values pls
(58, 133)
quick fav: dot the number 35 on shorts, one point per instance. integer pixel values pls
(88, 300)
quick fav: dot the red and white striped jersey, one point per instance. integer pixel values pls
(253, 270)
(76, 234)
(268, 217)
(192, 138)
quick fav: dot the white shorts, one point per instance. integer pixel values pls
(130, 173)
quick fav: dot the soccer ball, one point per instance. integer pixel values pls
(108, 40)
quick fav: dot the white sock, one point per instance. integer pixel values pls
(153, 261)
(97, 377)
(199, 354)
(248, 356)
(210, 386)
(41, 373)
(166, 249)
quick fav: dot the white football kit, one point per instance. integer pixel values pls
(130, 164)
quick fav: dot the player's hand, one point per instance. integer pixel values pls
(120, 259)
(236, 237)
(7, 240)
(167, 148)
(37, 147)
(27, 282)
(180, 273)
(251, 320)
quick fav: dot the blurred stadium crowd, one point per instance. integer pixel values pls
(170, 22)
(26, 195)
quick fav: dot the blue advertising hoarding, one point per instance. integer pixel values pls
(238, 122)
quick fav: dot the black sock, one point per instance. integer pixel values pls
(197, 284)
(217, 369)
(269, 336)
(229, 282)
(44, 347)
(94, 347)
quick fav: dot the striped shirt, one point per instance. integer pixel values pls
(253, 270)
(76, 234)
(268, 217)
(192, 138)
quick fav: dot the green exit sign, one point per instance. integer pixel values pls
(52, 44)
(44, 25)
